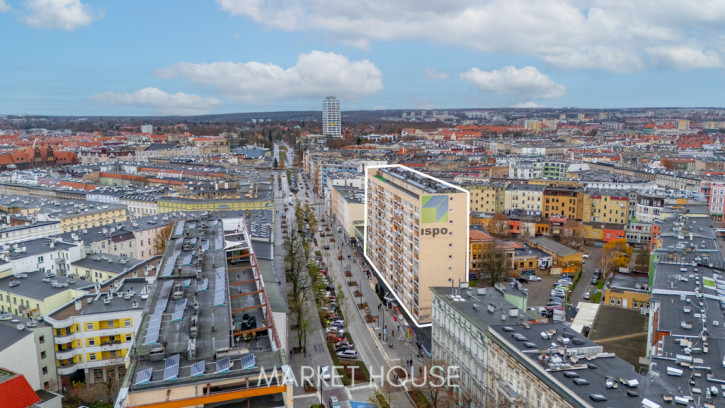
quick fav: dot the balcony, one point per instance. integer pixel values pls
(68, 369)
(66, 354)
(66, 338)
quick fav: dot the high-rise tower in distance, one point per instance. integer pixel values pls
(331, 117)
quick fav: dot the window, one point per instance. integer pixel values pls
(635, 304)
(89, 326)
(110, 323)
(619, 302)
(91, 342)
(46, 385)
(41, 339)
(611, 301)
(42, 355)
(40, 259)
(127, 323)
(128, 337)
(45, 370)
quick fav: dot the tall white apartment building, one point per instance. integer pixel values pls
(331, 121)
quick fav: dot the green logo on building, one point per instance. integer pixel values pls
(435, 209)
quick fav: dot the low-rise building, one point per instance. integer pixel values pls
(94, 332)
(628, 291)
(23, 232)
(561, 254)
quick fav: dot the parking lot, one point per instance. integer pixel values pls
(539, 291)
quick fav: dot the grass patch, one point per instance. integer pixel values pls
(382, 403)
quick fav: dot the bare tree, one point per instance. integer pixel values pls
(500, 225)
(494, 263)
(161, 238)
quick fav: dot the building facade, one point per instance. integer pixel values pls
(416, 235)
(331, 120)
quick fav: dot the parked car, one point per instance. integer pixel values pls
(595, 279)
(334, 403)
(349, 354)
(586, 295)
(326, 246)
(534, 278)
(585, 256)
(324, 372)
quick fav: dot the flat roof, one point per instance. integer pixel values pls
(33, 286)
(569, 353)
(197, 286)
(559, 249)
(108, 262)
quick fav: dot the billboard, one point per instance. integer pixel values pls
(435, 209)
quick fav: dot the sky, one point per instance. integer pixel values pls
(188, 57)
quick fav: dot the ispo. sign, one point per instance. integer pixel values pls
(435, 231)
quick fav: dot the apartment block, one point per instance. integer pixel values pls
(525, 197)
(563, 202)
(94, 333)
(507, 358)
(486, 197)
(416, 235)
(607, 206)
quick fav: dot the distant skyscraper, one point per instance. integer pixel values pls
(331, 117)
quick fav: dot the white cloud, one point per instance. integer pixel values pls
(315, 75)
(58, 14)
(160, 101)
(435, 74)
(574, 34)
(4, 6)
(525, 83)
(684, 57)
(526, 105)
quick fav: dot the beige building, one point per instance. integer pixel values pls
(348, 207)
(416, 235)
(524, 197)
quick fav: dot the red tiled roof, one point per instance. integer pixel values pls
(17, 393)
(478, 235)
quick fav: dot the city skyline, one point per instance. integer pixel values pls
(73, 57)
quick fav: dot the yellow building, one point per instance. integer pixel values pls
(628, 291)
(95, 332)
(171, 204)
(606, 206)
(31, 296)
(487, 197)
(563, 202)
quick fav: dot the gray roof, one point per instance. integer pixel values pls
(34, 287)
(10, 335)
(36, 247)
(528, 348)
(557, 248)
(109, 263)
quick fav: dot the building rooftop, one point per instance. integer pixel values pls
(206, 287)
(557, 248)
(123, 295)
(425, 183)
(37, 285)
(558, 356)
(9, 334)
(116, 264)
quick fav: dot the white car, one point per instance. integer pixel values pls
(586, 295)
(324, 372)
(585, 256)
(349, 354)
(534, 278)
